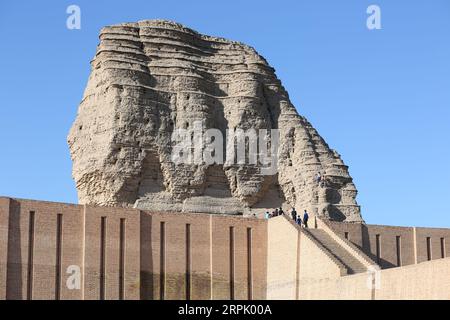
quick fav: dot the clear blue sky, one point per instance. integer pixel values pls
(381, 98)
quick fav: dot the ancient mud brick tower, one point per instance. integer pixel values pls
(151, 77)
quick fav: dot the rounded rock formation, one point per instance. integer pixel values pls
(152, 77)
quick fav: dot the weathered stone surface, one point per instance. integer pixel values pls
(151, 77)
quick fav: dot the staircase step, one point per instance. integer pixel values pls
(353, 265)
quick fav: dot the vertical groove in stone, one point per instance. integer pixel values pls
(398, 244)
(83, 255)
(102, 257)
(231, 263)
(442, 248)
(162, 260)
(59, 229)
(378, 248)
(249, 265)
(211, 278)
(30, 255)
(122, 260)
(188, 261)
(415, 244)
(429, 255)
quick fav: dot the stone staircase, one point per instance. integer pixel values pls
(341, 254)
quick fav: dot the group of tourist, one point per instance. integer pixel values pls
(321, 181)
(294, 215)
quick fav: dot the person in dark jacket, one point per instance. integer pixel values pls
(294, 214)
(305, 219)
(299, 220)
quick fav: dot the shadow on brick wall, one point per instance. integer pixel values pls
(14, 279)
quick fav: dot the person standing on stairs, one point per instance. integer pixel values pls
(294, 214)
(305, 219)
(299, 220)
